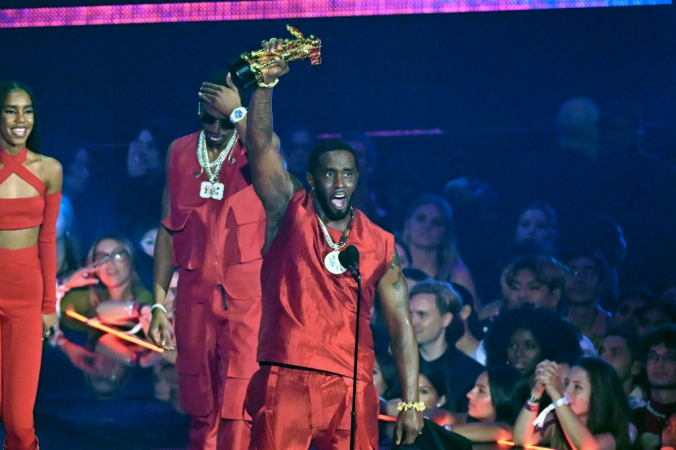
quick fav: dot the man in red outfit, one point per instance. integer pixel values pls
(302, 394)
(213, 230)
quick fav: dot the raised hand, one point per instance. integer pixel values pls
(224, 98)
(273, 47)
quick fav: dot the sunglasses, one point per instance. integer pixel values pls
(208, 119)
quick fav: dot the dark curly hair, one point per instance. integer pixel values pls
(555, 335)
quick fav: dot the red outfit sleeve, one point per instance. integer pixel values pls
(47, 249)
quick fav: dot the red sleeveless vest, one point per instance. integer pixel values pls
(215, 242)
(309, 314)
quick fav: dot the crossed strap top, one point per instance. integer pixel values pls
(26, 212)
(41, 210)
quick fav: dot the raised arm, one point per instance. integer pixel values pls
(393, 293)
(273, 184)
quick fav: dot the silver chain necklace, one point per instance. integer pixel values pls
(213, 188)
(331, 261)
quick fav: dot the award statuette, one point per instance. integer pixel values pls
(246, 70)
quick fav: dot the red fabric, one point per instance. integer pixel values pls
(41, 210)
(47, 246)
(217, 248)
(20, 343)
(26, 212)
(293, 409)
(309, 314)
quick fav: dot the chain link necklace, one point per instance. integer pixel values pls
(213, 188)
(331, 261)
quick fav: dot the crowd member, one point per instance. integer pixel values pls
(629, 306)
(30, 195)
(436, 307)
(308, 330)
(297, 142)
(591, 412)
(620, 347)
(213, 230)
(67, 243)
(468, 332)
(525, 336)
(537, 223)
(364, 196)
(654, 315)
(428, 233)
(536, 279)
(659, 347)
(109, 273)
(494, 403)
(585, 285)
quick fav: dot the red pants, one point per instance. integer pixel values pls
(20, 343)
(293, 409)
(209, 341)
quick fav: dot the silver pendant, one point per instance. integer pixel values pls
(332, 263)
(212, 190)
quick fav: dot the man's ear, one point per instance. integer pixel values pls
(447, 319)
(465, 312)
(310, 180)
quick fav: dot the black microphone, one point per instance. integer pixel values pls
(349, 258)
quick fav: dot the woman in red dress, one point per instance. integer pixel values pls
(30, 192)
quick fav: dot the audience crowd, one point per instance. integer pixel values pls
(541, 325)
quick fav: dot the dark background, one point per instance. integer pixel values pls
(493, 82)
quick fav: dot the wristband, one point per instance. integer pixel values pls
(268, 85)
(533, 399)
(405, 406)
(531, 407)
(159, 306)
(539, 422)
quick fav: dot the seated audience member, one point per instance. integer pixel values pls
(659, 347)
(385, 378)
(414, 276)
(621, 349)
(629, 305)
(435, 306)
(537, 223)
(68, 251)
(585, 284)
(111, 264)
(536, 279)
(525, 336)
(429, 234)
(654, 315)
(404, 253)
(467, 333)
(364, 197)
(590, 413)
(604, 234)
(494, 403)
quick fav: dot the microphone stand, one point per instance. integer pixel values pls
(353, 420)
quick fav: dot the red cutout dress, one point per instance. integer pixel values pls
(27, 290)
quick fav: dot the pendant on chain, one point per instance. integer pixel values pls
(212, 190)
(332, 263)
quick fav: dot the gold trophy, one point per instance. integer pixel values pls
(246, 70)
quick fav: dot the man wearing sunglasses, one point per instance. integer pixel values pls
(212, 229)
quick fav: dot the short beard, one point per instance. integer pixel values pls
(325, 205)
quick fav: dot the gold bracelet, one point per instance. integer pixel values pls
(405, 406)
(268, 85)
